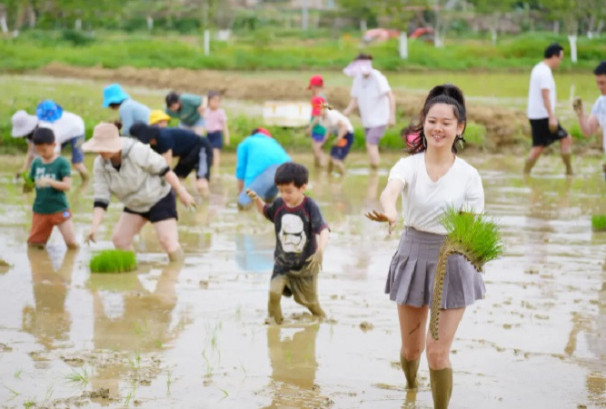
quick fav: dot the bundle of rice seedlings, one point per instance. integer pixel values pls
(470, 235)
(113, 261)
(28, 184)
(598, 222)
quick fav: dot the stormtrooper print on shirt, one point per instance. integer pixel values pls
(296, 229)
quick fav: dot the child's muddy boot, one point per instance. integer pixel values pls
(566, 160)
(410, 369)
(441, 387)
(274, 309)
(529, 164)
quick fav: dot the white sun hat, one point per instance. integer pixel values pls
(23, 124)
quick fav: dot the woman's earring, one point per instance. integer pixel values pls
(424, 141)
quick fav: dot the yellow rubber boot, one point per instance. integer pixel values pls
(441, 387)
(410, 369)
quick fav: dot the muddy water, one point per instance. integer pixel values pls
(192, 335)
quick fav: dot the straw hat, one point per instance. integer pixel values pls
(157, 115)
(23, 124)
(106, 138)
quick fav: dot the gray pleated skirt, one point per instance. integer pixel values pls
(413, 267)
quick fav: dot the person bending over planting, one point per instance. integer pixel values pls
(337, 124)
(194, 152)
(130, 111)
(301, 237)
(142, 181)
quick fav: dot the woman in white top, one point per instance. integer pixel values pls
(339, 125)
(430, 181)
(142, 181)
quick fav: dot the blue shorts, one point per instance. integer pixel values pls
(215, 139)
(317, 137)
(340, 152)
(77, 152)
(263, 185)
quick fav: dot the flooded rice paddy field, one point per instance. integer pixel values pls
(193, 335)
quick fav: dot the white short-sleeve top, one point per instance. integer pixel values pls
(541, 78)
(425, 201)
(599, 111)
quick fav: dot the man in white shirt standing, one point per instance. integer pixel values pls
(372, 94)
(541, 110)
(597, 117)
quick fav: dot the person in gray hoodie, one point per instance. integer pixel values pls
(142, 181)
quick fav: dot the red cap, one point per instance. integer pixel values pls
(263, 131)
(315, 81)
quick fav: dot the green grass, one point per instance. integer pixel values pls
(478, 235)
(267, 50)
(598, 222)
(113, 261)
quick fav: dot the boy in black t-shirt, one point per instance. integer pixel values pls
(298, 254)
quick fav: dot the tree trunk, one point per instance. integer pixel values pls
(150, 23)
(572, 40)
(363, 26)
(31, 16)
(304, 15)
(403, 45)
(556, 26)
(78, 24)
(3, 24)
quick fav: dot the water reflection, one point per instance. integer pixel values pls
(292, 353)
(252, 255)
(133, 320)
(548, 197)
(48, 320)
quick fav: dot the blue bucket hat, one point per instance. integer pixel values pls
(113, 94)
(49, 111)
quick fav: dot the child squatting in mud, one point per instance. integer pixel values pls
(298, 254)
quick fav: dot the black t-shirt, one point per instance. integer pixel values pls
(296, 229)
(180, 141)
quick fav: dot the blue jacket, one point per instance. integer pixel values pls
(256, 153)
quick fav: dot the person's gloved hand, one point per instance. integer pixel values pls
(43, 182)
(315, 261)
(252, 195)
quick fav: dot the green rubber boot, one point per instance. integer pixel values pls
(441, 387)
(566, 159)
(528, 165)
(410, 369)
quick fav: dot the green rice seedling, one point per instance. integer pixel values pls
(113, 261)
(28, 183)
(598, 222)
(79, 377)
(470, 235)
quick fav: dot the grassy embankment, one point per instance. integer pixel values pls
(259, 51)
